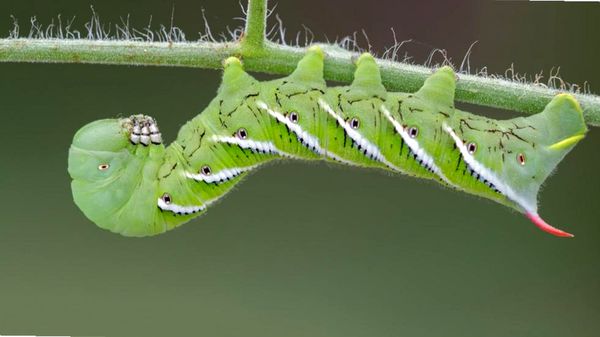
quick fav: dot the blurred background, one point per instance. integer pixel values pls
(298, 249)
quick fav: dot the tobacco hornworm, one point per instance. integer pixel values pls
(125, 180)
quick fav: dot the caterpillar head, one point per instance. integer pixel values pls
(114, 165)
(509, 160)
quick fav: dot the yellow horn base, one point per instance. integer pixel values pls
(566, 142)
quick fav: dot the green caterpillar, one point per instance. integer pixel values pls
(125, 180)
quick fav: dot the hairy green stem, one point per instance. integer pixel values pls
(262, 56)
(256, 24)
(183, 54)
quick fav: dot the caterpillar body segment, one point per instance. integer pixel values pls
(125, 180)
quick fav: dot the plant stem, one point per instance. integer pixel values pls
(262, 56)
(183, 54)
(256, 24)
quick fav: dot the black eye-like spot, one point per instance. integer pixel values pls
(242, 133)
(166, 198)
(471, 147)
(354, 123)
(521, 159)
(103, 167)
(293, 116)
(206, 170)
(413, 132)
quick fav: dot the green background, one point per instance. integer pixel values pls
(298, 249)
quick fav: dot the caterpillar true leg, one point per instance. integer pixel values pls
(127, 181)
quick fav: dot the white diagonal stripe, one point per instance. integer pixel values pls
(488, 174)
(312, 142)
(414, 146)
(184, 209)
(371, 149)
(220, 176)
(179, 209)
(259, 146)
